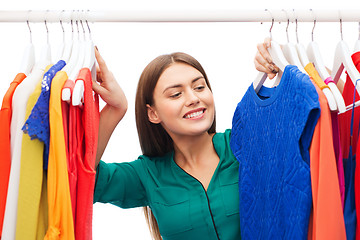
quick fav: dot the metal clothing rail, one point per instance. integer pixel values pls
(178, 15)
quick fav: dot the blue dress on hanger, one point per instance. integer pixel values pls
(271, 135)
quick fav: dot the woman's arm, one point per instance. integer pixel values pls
(115, 108)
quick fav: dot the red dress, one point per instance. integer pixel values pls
(86, 164)
(5, 160)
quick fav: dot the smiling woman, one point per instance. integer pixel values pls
(182, 154)
(226, 51)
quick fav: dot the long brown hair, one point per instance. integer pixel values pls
(154, 140)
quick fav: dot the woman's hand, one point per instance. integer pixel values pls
(263, 61)
(116, 104)
(108, 88)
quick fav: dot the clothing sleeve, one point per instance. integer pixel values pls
(120, 184)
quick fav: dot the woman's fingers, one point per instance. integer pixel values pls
(102, 65)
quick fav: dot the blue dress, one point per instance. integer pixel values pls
(271, 135)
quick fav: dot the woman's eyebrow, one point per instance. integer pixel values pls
(180, 85)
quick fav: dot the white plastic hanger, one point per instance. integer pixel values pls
(356, 49)
(62, 45)
(343, 60)
(357, 43)
(279, 60)
(66, 93)
(77, 91)
(89, 62)
(45, 56)
(68, 46)
(290, 52)
(28, 60)
(314, 55)
(301, 49)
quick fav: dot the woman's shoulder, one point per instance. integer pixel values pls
(221, 141)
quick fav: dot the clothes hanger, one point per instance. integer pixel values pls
(356, 49)
(64, 50)
(301, 49)
(45, 56)
(68, 46)
(66, 92)
(28, 60)
(343, 60)
(357, 43)
(77, 92)
(315, 57)
(62, 44)
(290, 52)
(89, 62)
(277, 57)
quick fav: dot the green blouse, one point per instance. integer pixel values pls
(182, 207)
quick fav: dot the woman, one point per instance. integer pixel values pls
(187, 174)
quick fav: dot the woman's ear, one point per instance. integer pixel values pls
(152, 115)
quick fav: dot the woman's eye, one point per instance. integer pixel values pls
(199, 87)
(175, 95)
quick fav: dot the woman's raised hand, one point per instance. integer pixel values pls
(263, 61)
(107, 86)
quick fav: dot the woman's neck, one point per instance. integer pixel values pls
(192, 151)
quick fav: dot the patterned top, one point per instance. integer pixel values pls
(271, 135)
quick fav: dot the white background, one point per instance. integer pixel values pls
(226, 51)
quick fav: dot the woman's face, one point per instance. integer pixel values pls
(183, 103)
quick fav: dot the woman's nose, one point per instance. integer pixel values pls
(192, 98)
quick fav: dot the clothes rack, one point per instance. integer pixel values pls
(179, 15)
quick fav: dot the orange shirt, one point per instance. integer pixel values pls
(61, 223)
(326, 218)
(5, 163)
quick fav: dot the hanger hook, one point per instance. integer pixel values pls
(88, 24)
(72, 25)
(62, 25)
(47, 30)
(287, 26)
(81, 22)
(77, 25)
(296, 27)
(341, 30)
(272, 23)
(312, 32)
(341, 33)
(27, 21)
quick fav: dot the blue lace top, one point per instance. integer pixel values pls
(37, 125)
(271, 135)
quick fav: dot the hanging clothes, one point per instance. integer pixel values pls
(28, 225)
(85, 168)
(70, 123)
(326, 148)
(338, 155)
(349, 131)
(61, 224)
(5, 163)
(348, 87)
(20, 97)
(326, 219)
(39, 117)
(274, 183)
